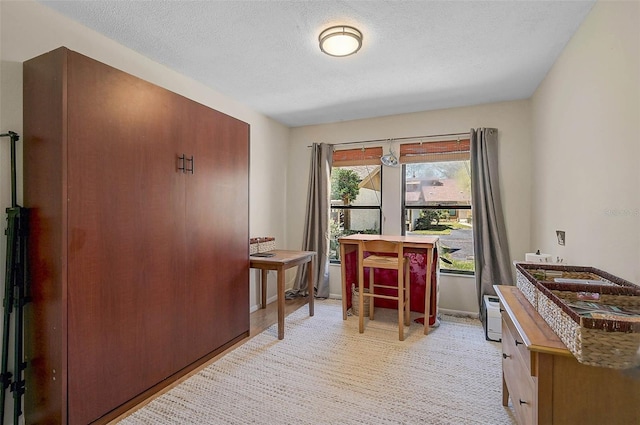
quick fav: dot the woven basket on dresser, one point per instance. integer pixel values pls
(528, 288)
(528, 282)
(263, 244)
(595, 342)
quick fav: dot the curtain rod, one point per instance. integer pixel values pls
(397, 139)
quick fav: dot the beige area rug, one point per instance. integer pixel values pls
(325, 372)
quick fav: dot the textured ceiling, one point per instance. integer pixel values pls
(416, 55)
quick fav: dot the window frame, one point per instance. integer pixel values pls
(423, 153)
(357, 158)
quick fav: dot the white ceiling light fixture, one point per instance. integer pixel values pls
(340, 40)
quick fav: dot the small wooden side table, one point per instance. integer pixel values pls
(281, 261)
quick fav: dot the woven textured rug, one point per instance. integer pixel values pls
(325, 372)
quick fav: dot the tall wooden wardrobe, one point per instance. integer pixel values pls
(138, 243)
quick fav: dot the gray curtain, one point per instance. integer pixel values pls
(316, 227)
(490, 245)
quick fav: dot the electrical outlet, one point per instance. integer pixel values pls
(561, 237)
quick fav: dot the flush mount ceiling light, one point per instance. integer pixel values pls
(340, 40)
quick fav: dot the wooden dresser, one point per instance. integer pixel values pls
(546, 383)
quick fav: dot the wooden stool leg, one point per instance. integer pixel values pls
(361, 305)
(372, 297)
(400, 305)
(407, 296)
(428, 295)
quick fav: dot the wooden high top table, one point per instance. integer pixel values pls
(281, 261)
(425, 245)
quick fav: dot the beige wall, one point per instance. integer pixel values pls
(586, 145)
(513, 122)
(569, 157)
(30, 29)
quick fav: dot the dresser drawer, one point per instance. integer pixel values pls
(521, 389)
(517, 376)
(514, 343)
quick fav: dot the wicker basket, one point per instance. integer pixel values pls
(263, 244)
(612, 343)
(355, 300)
(527, 276)
(596, 342)
(527, 288)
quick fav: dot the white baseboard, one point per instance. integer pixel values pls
(450, 312)
(255, 307)
(458, 313)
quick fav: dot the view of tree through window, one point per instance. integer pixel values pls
(437, 201)
(355, 203)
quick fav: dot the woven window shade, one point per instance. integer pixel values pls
(361, 156)
(447, 150)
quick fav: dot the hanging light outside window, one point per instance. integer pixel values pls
(390, 159)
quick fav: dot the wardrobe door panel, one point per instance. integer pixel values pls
(45, 196)
(126, 249)
(138, 268)
(217, 211)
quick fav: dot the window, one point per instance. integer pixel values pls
(356, 181)
(437, 199)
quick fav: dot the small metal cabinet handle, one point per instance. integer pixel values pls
(182, 159)
(192, 165)
(522, 402)
(518, 342)
(505, 356)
